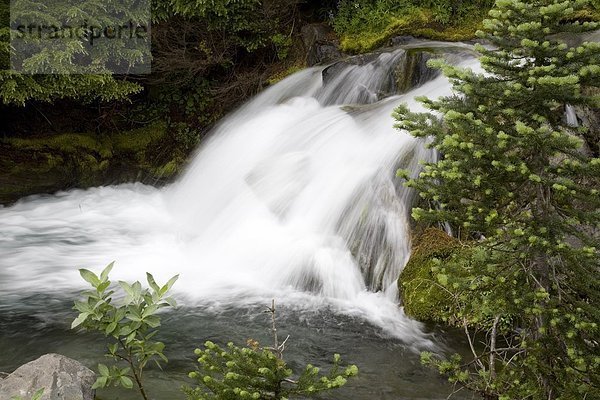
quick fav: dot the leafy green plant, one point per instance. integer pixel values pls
(131, 326)
(282, 44)
(256, 372)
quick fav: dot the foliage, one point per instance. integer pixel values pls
(50, 162)
(50, 67)
(191, 40)
(514, 175)
(131, 326)
(255, 372)
(364, 25)
(251, 372)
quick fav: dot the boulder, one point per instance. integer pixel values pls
(61, 378)
(320, 43)
(423, 299)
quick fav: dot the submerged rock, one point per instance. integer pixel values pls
(61, 378)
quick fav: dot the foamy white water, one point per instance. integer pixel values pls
(571, 116)
(293, 197)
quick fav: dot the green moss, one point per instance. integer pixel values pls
(139, 139)
(418, 22)
(48, 163)
(66, 143)
(169, 169)
(422, 296)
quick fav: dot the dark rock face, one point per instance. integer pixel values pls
(61, 378)
(590, 118)
(322, 52)
(400, 40)
(321, 46)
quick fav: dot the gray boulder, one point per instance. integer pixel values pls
(61, 377)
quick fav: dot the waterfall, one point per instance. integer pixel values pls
(294, 196)
(571, 116)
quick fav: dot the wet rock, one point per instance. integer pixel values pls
(400, 40)
(320, 43)
(408, 70)
(414, 71)
(61, 378)
(322, 52)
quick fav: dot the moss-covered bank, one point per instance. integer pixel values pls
(47, 163)
(417, 22)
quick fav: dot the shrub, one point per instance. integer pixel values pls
(256, 372)
(131, 326)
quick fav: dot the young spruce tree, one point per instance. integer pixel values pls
(515, 176)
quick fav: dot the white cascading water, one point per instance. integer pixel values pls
(294, 197)
(571, 116)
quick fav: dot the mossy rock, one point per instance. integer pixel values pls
(47, 163)
(423, 297)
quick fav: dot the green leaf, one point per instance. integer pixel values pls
(127, 288)
(89, 277)
(103, 369)
(113, 348)
(153, 321)
(82, 306)
(137, 290)
(103, 286)
(150, 310)
(130, 337)
(126, 382)
(110, 328)
(100, 382)
(106, 271)
(169, 285)
(152, 282)
(442, 279)
(79, 320)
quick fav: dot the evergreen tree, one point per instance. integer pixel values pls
(260, 373)
(69, 67)
(515, 176)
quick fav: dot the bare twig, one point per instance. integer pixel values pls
(493, 348)
(466, 328)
